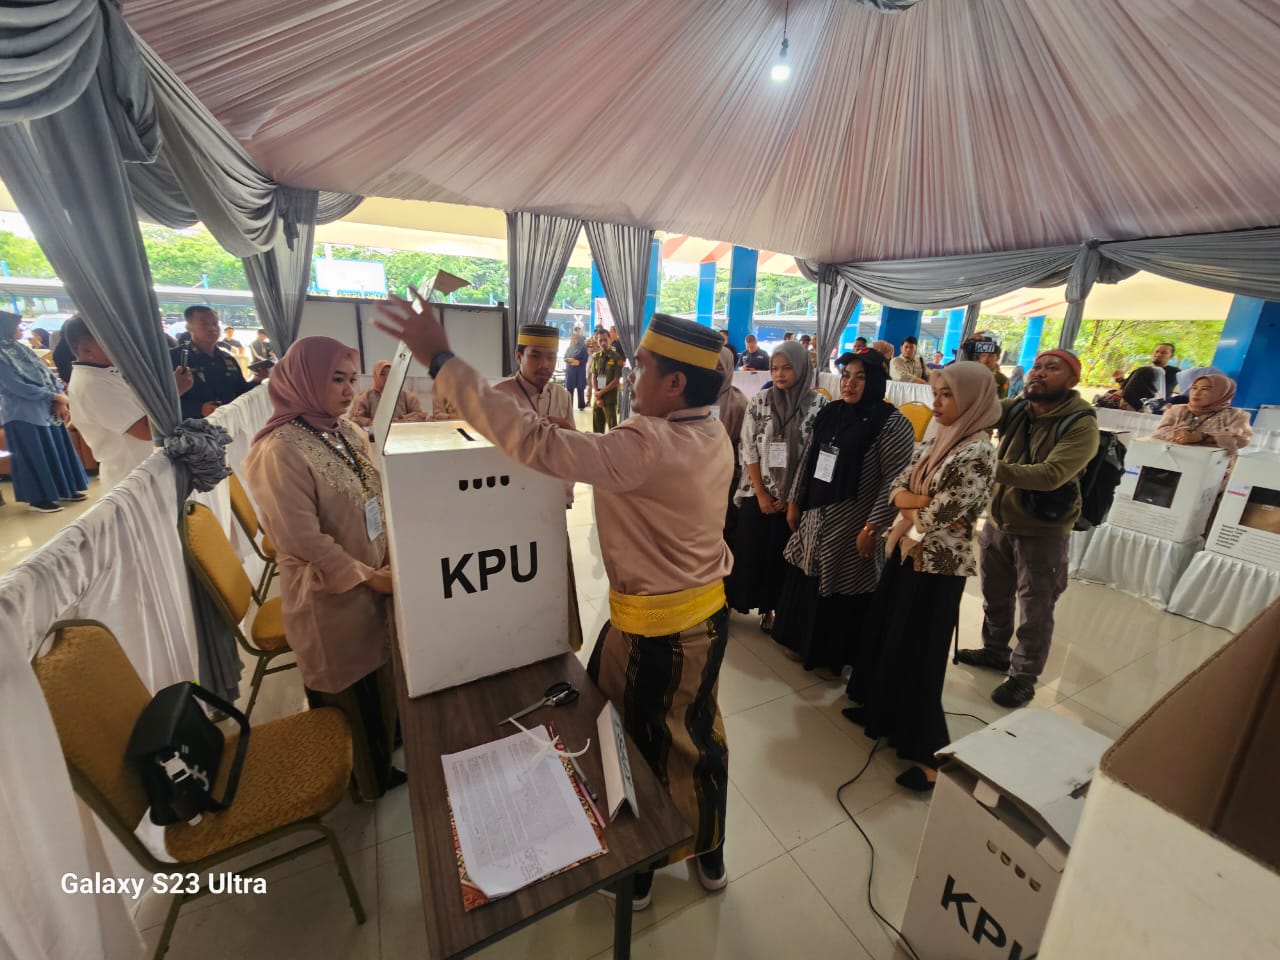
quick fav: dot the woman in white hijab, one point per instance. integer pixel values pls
(777, 426)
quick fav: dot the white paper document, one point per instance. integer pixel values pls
(518, 820)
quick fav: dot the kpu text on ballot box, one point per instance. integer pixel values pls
(1000, 826)
(479, 551)
(1168, 490)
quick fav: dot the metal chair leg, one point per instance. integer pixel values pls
(340, 858)
(259, 671)
(170, 919)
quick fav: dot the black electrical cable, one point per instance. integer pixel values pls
(952, 713)
(871, 869)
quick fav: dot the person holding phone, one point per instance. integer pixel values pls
(216, 375)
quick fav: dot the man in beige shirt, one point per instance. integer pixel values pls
(907, 367)
(365, 406)
(660, 479)
(537, 349)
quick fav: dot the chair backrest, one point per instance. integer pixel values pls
(919, 415)
(96, 697)
(242, 506)
(206, 545)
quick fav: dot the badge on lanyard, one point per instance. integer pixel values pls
(601, 381)
(715, 411)
(826, 467)
(372, 518)
(777, 454)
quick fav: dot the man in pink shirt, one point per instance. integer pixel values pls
(660, 479)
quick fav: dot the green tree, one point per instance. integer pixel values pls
(24, 257)
(183, 258)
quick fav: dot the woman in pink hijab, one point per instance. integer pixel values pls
(320, 501)
(902, 661)
(1207, 417)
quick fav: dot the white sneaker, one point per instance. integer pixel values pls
(709, 883)
(637, 904)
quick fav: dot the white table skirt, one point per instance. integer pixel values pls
(1076, 549)
(897, 392)
(1142, 566)
(1223, 591)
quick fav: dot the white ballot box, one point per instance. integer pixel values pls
(1168, 490)
(1248, 523)
(479, 556)
(1000, 826)
(1178, 851)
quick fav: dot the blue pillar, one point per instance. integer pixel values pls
(655, 282)
(851, 331)
(706, 293)
(1247, 350)
(597, 290)
(951, 339)
(742, 293)
(1030, 344)
(896, 325)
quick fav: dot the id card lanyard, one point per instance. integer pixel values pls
(825, 468)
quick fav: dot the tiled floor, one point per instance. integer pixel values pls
(22, 530)
(798, 868)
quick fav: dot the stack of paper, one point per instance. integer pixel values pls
(517, 817)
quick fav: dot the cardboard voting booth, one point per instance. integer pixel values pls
(1248, 523)
(1168, 490)
(1000, 826)
(1178, 851)
(479, 550)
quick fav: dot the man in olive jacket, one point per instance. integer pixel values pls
(1023, 545)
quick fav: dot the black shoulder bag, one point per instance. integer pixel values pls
(177, 750)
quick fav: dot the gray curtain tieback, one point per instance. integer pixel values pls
(199, 446)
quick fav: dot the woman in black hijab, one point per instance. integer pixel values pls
(839, 504)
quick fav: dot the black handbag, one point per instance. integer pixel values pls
(177, 751)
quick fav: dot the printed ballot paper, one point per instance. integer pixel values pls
(518, 815)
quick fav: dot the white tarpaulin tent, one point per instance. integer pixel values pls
(957, 126)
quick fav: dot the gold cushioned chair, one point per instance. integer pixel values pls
(919, 415)
(247, 517)
(209, 553)
(295, 771)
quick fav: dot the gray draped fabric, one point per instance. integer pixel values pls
(201, 173)
(1246, 262)
(65, 173)
(971, 314)
(937, 283)
(197, 450)
(836, 303)
(538, 249)
(622, 255)
(279, 280)
(1083, 276)
(49, 52)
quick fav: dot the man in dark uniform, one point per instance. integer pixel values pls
(216, 373)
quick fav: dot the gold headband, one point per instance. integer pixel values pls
(679, 350)
(530, 340)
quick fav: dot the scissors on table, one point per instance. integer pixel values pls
(558, 695)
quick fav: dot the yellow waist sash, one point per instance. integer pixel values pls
(666, 613)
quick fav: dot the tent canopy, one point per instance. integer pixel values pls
(958, 126)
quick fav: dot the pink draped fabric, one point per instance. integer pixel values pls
(959, 126)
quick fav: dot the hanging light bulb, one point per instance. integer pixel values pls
(781, 70)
